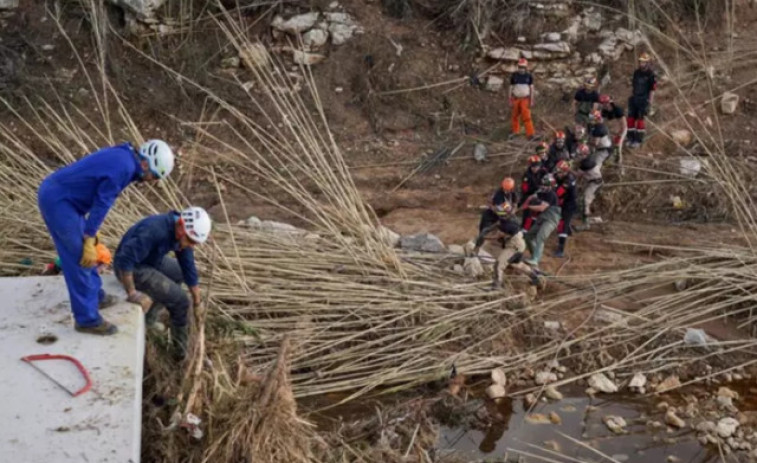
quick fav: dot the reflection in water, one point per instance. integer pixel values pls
(501, 414)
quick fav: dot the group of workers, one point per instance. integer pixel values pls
(75, 200)
(548, 197)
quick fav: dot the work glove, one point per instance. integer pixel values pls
(89, 252)
(140, 298)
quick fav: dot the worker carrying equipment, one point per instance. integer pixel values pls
(643, 85)
(557, 152)
(505, 194)
(544, 206)
(522, 99)
(585, 100)
(144, 268)
(74, 201)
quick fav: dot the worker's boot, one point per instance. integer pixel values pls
(180, 340)
(151, 317)
(108, 300)
(560, 252)
(105, 328)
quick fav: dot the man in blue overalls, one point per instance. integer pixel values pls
(74, 201)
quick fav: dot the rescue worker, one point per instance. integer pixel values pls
(643, 85)
(575, 137)
(529, 186)
(557, 152)
(599, 138)
(567, 199)
(506, 193)
(615, 116)
(74, 201)
(543, 205)
(507, 231)
(542, 150)
(590, 171)
(522, 99)
(585, 101)
(143, 267)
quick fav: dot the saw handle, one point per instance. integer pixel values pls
(37, 357)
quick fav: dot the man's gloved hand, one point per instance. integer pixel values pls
(140, 298)
(89, 252)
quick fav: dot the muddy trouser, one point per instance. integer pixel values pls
(545, 224)
(590, 194)
(163, 285)
(601, 155)
(510, 255)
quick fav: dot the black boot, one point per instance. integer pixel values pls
(180, 339)
(639, 138)
(560, 252)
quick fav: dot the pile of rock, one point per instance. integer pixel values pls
(496, 389)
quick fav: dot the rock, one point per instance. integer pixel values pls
(600, 382)
(230, 63)
(592, 20)
(673, 459)
(671, 382)
(552, 325)
(551, 37)
(615, 424)
(296, 24)
(495, 391)
(726, 392)
(388, 236)
(729, 102)
(498, 377)
(637, 382)
(255, 55)
(457, 268)
(707, 427)
(529, 399)
(555, 418)
(8, 4)
(472, 267)
(142, 9)
(253, 222)
(468, 248)
(654, 424)
(682, 137)
(552, 393)
(726, 427)
(632, 38)
(456, 249)
(673, 420)
(479, 152)
(307, 59)
(494, 84)
(340, 33)
(505, 54)
(680, 285)
(315, 38)
(610, 317)
(572, 32)
(695, 337)
(545, 377)
(537, 418)
(558, 48)
(594, 58)
(424, 242)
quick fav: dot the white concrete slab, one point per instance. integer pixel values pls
(40, 422)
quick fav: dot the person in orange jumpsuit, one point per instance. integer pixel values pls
(521, 99)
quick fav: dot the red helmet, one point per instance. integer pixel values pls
(562, 166)
(645, 58)
(508, 184)
(535, 159)
(583, 150)
(559, 135)
(542, 147)
(522, 63)
(604, 99)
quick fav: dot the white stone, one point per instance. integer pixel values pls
(296, 24)
(424, 242)
(340, 18)
(307, 59)
(255, 55)
(340, 33)
(521, 39)
(638, 381)
(142, 9)
(388, 236)
(505, 54)
(495, 391)
(726, 427)
(682, 137)
(695, 337)
(552, 325)
(673, 420)
(333, 5)
(315, 38)
(601, 383)
(592, 20)
(552, 393)
(42, 422)
(572, 32)
(615, 424)
(729, 102)
(558, 48)
(726, 392)
(457, 268)
(668, 384)
(494, 83)
(632, 38)
(690, 167)
(279, 227)
(545, 377)
(473, 267)
(498, 377)
(456, 249)
(253, 222)
(551, 37)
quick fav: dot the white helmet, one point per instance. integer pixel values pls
(197, 224)
(159, 157)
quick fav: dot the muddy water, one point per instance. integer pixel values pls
(580, 418)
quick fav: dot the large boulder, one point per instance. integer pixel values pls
(425, 242)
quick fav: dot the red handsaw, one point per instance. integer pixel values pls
(33, 358)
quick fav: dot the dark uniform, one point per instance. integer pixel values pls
(555, 155)
(601, 141)
(530, 185)
(567, 198)
(644, 82)
(614, 113)
(489, 217)
(585, 101)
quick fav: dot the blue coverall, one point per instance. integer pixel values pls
(143, 251)
(74, 201)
